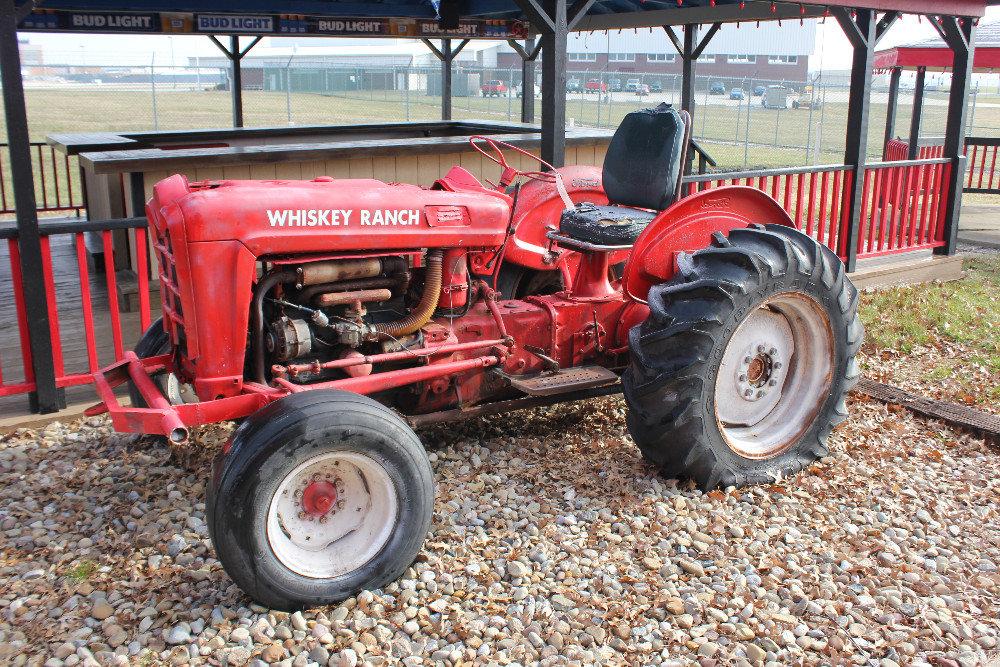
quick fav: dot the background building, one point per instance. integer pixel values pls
(768, 52)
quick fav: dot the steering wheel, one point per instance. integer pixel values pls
(509, 173)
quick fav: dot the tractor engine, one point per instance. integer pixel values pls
(312, 273)
(316, 312)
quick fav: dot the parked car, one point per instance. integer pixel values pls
(736, 94)
(656, 86)
(758, 91)
(642, 89)
(632, 85)
(775, 97)
(615, 85)
(494, 88)
(595, 86)
(520, 90)
(574, 85)
(807, 100)
(717, 88)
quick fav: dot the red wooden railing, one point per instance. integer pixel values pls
(57, 189)
(816, 198)
(903, 208)
(105, 321)
(981, 173)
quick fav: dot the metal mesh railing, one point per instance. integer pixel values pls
(744, 122)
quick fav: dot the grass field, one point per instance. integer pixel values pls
(942, 335)
(722, 123)
(738, 134)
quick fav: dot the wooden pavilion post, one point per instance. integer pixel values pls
(529, 54)
(918, 109)
(446, 54)
(890, 110)
(959, 34)
(863, 32)
(235, 56)
(46, 397)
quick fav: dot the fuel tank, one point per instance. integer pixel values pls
(325, 214)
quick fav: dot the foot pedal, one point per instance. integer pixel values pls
(564, 380)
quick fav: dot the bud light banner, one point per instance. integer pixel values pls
(91, 21)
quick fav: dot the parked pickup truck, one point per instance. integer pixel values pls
(595, 86)
(494, 88)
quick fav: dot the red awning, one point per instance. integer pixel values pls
(934, 55)
(911, 57)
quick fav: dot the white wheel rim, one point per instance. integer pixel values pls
(332, 543)
(179, 392)
(775, 374)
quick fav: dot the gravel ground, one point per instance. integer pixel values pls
(552, 542)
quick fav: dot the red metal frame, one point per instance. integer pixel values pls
(580, 325)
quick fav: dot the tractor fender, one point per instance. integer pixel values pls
(539, 206)
(687, 225)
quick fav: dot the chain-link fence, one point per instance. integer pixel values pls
(743, 122)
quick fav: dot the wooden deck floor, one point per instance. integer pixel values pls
(71, 328)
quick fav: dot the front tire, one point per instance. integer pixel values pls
(741, 370)
(318, 496)
(517, 282)
(153, 343)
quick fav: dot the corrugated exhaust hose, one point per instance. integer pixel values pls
(424, 310)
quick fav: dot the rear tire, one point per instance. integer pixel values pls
(741, 370)
(318, 496)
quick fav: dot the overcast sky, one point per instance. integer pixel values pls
(832, 49)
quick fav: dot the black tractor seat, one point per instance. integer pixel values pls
(604, 225)
(641, 176)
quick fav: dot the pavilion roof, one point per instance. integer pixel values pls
(300, 17)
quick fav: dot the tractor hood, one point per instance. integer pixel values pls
(325, 214)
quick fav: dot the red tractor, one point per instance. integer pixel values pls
(333, 316)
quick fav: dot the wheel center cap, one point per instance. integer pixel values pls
(757, 374)
(756, 370)
(318, 498)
